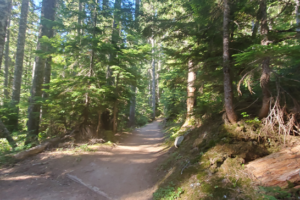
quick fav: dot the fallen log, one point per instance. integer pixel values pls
(38, 149)
(35, 150)
(277, 169)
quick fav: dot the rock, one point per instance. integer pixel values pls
(276, 169)
(192, 185)
(178, 141)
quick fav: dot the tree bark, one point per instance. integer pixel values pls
(115, 110)
(266, 71)
(7, 58)
(4, 4)
(297, 16)
(16, 90)
(48, 13)
(132, 107)
(228, 92)
(153, 80)
(5, 134)
(48, 67)
(87, 101)
(114, 40)
(133, 87)
(190, 92)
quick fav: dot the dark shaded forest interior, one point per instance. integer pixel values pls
(222, 78)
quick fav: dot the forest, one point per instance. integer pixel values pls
(95, 68)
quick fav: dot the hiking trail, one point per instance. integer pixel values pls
(124, 172)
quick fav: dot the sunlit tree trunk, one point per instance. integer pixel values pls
(228, 92)
(266, 71)
(7, 58)
(133, 87)
(4, 4)
(115, 109)
(16, 90)
(114, 60)
(153, 79)
(190, 93)
(47, 13)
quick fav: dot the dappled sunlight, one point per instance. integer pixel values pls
(124, 171)
(18, 178)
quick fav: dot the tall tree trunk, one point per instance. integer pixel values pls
(190, 93)
(79, 18)
(47, 71)
(92, 57)
(48, 13)
(4, 4)
(16, 90)
(153, 80)
(133, 87)
(297, 16)
(113, 57)
(228, 92)
(266, 71)
(157, 79)
(4, 133)
(115, 110)
(132, 107)
(7, 58)
(114, 40)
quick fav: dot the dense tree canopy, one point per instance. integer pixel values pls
(109, 65)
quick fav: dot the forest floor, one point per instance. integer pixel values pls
(126, 171)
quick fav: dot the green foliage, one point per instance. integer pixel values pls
(273, 193)
(167, 193)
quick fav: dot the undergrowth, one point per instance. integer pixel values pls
(210, 163)
(168, 193)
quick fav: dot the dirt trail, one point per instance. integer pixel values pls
(125, 172)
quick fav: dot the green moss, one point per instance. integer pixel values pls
(215, 189)
(201, 175)
(211, 144)
(205, 163)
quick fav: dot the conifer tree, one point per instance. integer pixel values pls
(16, 91)
(4, 7)
(47, 13)
(228, 91)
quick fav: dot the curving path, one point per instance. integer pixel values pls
(125, 172)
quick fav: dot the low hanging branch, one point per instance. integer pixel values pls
(249, 73)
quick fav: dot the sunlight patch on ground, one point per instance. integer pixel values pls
(23, 177)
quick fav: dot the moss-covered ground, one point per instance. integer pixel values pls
(210, 163)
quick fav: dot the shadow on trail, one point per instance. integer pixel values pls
(127, 171)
